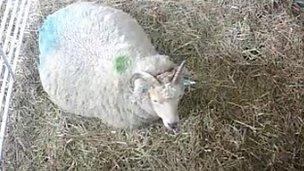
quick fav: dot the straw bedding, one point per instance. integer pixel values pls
(245, 112)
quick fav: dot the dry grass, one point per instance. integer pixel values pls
(246, 111)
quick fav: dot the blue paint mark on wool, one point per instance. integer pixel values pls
(53, 29)
(50, 33)
(48, 36)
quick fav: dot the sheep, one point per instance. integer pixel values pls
(96, 61)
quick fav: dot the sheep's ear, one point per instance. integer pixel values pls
(189, 78)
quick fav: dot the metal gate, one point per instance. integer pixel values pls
(14, 17)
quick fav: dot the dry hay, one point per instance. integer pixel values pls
(246, 111)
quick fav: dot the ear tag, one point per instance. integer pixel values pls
(188, 82)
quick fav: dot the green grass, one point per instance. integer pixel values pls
(245, 112)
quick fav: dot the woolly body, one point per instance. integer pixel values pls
(88, 54)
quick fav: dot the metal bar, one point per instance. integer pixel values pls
(5, 15)
(6, 62)
(13, 45)
(11, 81)
(7, 38)
(1, 3)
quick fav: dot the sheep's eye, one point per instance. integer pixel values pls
(154, 101)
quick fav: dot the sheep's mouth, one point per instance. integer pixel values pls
(174, 130)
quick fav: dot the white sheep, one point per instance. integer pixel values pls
(96, 61)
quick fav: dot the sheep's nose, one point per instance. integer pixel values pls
(175, 127)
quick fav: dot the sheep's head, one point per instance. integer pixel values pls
(164, 93)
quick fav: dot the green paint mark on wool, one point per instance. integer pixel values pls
(121, 63)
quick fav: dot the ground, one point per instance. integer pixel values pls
(245, 112)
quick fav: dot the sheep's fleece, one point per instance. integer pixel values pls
(88, 54)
